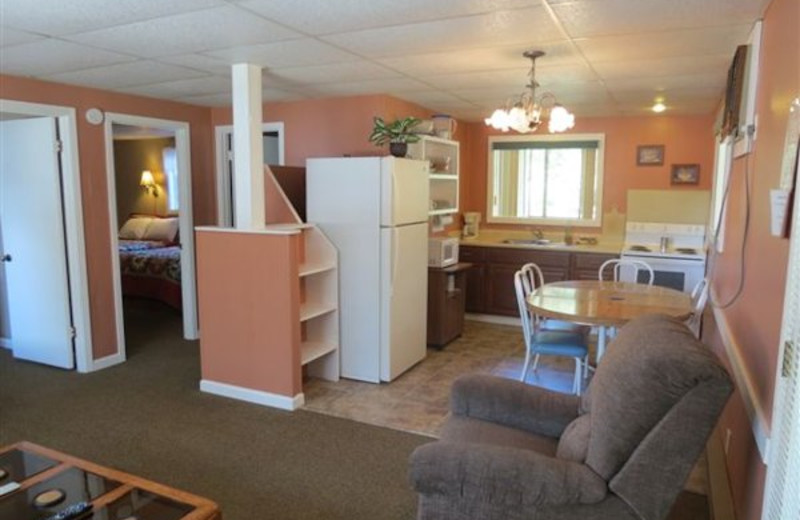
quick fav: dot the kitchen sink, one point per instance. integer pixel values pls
(533, 242)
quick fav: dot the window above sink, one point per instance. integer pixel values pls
(546, 179)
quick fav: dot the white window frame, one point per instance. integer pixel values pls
(723, 161)
(600, 160)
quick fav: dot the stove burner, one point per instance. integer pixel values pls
(640, 248)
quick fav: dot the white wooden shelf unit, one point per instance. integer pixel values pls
(443, 155)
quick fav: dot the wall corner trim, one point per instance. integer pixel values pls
(249, 395)
(744, 382)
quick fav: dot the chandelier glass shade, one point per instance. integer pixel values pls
(526, 113)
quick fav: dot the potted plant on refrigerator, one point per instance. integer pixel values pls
(398, 134)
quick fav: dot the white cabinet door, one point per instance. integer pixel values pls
(33, 237)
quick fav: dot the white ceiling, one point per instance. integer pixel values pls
(462, 57)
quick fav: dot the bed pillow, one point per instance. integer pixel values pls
(163, 229)
(135, 228)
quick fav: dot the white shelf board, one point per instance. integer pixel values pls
(446, 211)
(443, 177)
(310, 268)
(313, 309)
(311, 350)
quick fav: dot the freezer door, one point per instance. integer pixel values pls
(404, 298)
(405, 191)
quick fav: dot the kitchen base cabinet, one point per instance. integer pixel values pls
(490, 280)
(446, 291)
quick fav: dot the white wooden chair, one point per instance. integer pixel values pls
(699, 299)
(619, 263)
(548, 342)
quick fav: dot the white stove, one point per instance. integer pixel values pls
(676, 252)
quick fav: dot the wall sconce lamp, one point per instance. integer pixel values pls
(148, 183)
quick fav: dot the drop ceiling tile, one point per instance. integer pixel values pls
(671, 66)
(547, 77)
(197, 31)
(340, 72)
(480, 60)
(661, 83)
(610, 17)
(183, 88)
(710, 41)
(671, 96)
(71, 16)
(9, 36)
(325, 17)
(198, 62)
(497, 28)
(125, 75)
(207, 100)
(290, 53)
(52, 56)
(430, 97)
(374, 86)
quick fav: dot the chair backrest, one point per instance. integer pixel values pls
(699, 299)
(524, 313)
(533, 277)
(651, 406)
(618, 263)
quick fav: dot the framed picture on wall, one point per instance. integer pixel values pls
(685, 174)
(650, 155)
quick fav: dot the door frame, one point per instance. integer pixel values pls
(222, 158)
(66, 118)
(185, 221)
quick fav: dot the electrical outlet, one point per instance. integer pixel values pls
(727, 442)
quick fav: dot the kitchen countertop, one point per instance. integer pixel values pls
(494, 239)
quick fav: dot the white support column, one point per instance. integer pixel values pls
(248, 151)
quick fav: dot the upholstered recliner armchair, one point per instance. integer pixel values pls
(621, 452)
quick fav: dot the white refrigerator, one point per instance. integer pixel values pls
(375, 211)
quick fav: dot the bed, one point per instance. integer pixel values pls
(150, 259)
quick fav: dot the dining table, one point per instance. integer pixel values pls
(606, 304)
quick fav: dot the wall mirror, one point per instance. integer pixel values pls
(546, 179)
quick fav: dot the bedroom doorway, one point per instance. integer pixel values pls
(150, 215)
(46, 317)
(272, 134)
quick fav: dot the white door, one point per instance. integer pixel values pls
(404, 298)
(33, 241)
(405, 188)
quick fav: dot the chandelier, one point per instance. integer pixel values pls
(526, 113)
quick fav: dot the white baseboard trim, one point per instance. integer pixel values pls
(253, 396)
(492, 318)
(744, 382)
(104, 362)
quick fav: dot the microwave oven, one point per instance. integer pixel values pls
(442, 251)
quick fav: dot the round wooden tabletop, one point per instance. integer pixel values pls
(593, 302)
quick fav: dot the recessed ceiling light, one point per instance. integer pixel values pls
(659, 106)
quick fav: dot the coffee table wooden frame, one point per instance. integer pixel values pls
(204, 509)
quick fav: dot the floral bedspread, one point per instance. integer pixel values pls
(151, 259)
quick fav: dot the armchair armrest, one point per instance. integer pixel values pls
(511, 403)
(502, 476)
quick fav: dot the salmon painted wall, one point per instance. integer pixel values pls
(754, 320)
(334, 127)
(91, 149)
(687, 139)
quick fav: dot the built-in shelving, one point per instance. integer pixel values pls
(313, 350)
(443, 156)
(311, 310)
(315, 267)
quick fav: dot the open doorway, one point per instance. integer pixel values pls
(150, 211)
(272, 135)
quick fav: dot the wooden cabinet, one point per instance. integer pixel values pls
(446, 291)
(443, 155)
(490, 279)
(475, 275)
(585, 266)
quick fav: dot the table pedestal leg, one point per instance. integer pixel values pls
(601, 343)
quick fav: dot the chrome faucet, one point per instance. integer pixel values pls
(537, 233)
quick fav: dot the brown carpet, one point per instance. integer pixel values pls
(147, 417)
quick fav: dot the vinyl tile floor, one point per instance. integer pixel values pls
(418, 400)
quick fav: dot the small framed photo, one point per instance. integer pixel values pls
(685, 174)
(650, 155)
